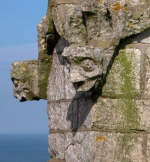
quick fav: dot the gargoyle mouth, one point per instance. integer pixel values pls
(86, 65)
(85, 85)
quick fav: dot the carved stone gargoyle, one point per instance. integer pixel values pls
(84, 35)
(93, 29)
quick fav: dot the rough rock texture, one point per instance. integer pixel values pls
(93, 68)
(25, 78)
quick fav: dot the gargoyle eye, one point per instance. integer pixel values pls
(88, 65)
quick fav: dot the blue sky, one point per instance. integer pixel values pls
(18, 41)
(19, 20)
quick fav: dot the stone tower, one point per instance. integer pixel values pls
(93, 67)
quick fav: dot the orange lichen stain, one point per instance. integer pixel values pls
(101, 138)
(116, 7)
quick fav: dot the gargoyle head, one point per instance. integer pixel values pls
(92, 29)
(86, 65)
(25, 80)
(103, 22)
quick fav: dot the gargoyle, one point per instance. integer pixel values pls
(77, 41)
(93, 30)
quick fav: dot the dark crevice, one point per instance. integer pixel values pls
(51, 40)
(84, 19)
(109, 17)
(78, 84)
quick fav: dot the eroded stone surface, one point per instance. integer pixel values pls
(86, 65)
(96, 83)
(46, 35)
(59, 86)
(111, 22)
(25, 79)
(124, 77)
(99, 146)
(121, 114)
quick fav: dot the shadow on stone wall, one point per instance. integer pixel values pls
(78, 111)
(144, 35)
(82, 103)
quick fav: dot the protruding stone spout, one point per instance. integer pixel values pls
(25, 79)
(84, 43)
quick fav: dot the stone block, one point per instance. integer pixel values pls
(57, 146)
(121, 115)
(57, 113)
(80, 147)
(73, 147)
(118, 147)
(99, 146)
(65, 115)
(124, 77)
(107, 114)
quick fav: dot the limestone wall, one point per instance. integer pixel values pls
(94, 69)
(108, 125)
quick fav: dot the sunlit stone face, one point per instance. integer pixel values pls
(21, 90)
(85, 66)
(25, 81)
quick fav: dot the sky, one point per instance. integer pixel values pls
(18, 41)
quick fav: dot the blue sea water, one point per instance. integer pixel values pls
(23, 148)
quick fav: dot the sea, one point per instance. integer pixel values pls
(24, 148)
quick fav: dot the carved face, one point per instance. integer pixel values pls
(21, 90)
(85, 66)
(99, 24)
(24, 77)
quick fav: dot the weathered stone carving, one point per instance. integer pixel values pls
(98, 26)
(25, 78)
(93, 68)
